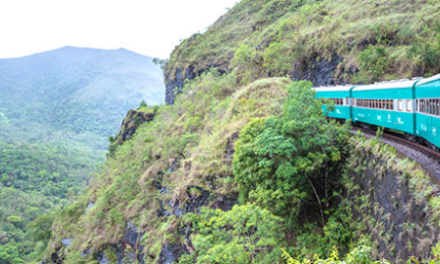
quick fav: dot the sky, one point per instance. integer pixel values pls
(148, 27)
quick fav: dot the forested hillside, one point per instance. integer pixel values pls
(242, 167)
(57, 111)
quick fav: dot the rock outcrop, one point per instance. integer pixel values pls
(132, 122)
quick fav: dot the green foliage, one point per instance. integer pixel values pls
(359, 255)
(374, 62)
(426, 54)
(287, 163)
(143, 104)
(245, 234)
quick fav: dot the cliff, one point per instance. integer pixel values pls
(326, 42)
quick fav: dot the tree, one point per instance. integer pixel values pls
(289, 164)
(245, 234)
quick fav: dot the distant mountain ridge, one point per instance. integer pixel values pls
(78, 89)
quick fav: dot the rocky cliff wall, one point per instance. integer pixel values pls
(394, 200)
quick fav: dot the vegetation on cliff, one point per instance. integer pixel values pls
(244, 168)
(327, 42)
(174, 183)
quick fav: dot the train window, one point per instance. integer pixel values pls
(408, 105)
(392, 104)
(400, 105)
(437, 107)
(429, 106)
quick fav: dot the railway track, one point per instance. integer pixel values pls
(423, 149)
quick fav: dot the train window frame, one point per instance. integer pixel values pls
(400, 105)
(408, 105)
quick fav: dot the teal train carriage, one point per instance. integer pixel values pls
(340, 95)
(427, 97)
(389, 104)
(408, 106)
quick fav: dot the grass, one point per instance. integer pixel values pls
(287, 34)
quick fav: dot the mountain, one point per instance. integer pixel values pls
(78, 92)
(241, 165)
(57, 112)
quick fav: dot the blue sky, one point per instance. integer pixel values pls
(149, 27)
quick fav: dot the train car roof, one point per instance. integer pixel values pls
(399, 84)
(428, 80)
(340, 88)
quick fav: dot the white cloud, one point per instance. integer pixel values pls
(148, 27)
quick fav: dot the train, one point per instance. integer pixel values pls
(410, 107)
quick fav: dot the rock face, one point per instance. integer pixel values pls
(175, 85)
(393, 209)
(320, 72)
(131, 123)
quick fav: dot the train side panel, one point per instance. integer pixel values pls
(341, 111)
(398, 114)
(427, 109)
